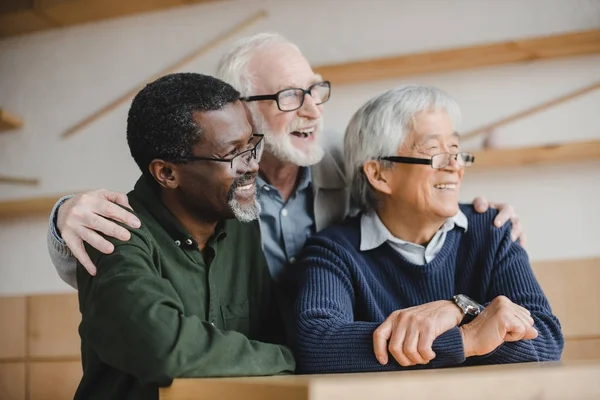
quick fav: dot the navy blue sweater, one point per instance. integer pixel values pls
(345, 294)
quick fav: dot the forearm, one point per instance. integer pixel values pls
(330, 345)
(60, 255)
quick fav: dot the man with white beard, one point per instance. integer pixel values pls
(301, 185)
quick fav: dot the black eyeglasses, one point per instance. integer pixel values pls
(253, 150)
(438, 161)
(293, 98)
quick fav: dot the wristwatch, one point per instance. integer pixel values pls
(469, 307)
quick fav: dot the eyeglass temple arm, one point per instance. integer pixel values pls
(259, 97)
(407, 160)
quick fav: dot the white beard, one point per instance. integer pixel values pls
(281, 146)
(245, 213)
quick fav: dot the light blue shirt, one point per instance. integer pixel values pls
(285, 226)
(373, 234)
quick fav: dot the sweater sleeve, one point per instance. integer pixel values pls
(328, 338)
(60, 255)
(513, 277)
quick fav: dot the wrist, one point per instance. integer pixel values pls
(457, 312)
(54, 218)
(467, 341)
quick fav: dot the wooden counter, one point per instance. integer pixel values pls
(517, 381)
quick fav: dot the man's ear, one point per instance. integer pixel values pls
(378, 177)
(165, 173)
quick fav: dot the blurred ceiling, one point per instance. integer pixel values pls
(25, 16)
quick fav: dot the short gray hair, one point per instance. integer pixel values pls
(380, 127)
(233, 66)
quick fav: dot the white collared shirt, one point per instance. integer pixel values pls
(373, 234)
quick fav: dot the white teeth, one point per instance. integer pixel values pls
(449, 186)
(246, 187)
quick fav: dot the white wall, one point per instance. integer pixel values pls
(53, 79)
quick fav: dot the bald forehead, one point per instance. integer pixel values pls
(280, 66)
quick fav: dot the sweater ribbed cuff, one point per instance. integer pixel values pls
(449, 348)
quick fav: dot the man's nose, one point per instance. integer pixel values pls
(310, 109)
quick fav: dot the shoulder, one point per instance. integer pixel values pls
(483, 222)
(139, 237)
(247, 233)
(329, 172)
(345, 234)
(483, 234)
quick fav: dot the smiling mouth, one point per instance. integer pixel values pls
(303, 133)
(245, 188)
(446, 186)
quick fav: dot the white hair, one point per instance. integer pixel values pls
(379, 128)
(233, 66)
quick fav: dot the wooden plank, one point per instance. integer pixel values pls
(53, 380)
(531, 111)
(582, 349)
(188, 389)
(27, 207)
(14, 180)
(520, 50)
(82, 11)
(571, 288)
(214, 42)
(20, 22)
(537, 155)
(53, 323)
(12, 332)
(513, 381)
(12, 381)
(8, 121)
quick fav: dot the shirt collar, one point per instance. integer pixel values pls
(146, 192)
(303, 183)
(373, 232)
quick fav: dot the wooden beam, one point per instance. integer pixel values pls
(520, 50)
(214, 42)
(9, 121)
(531, 111)
(27, 207)
(14, 180)
(537, 155)
(25, 16)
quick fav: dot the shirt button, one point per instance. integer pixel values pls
(178, 243)
(212, 323)
(266, 188)
(284, 212)
(188, 242)
(292, 260)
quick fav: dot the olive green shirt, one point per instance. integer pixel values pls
(160, 309)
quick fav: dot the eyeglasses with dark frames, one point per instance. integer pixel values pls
(240, 160)
(293, 98)
(437, 161)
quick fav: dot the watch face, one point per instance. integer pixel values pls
(468, 305)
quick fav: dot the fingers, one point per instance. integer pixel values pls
(106, 227)
(531, 333)
(481, 204)
(109, 209)
(409, 348)
(396, 347)
(380, 341)
(96, 241)
(78, 250)
(115, 197)
(506, 212)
